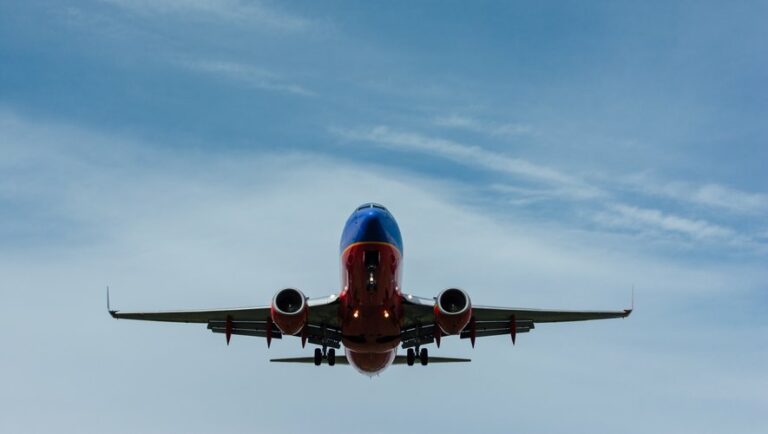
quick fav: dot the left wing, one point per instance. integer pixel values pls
(419, 327)
(322, 325)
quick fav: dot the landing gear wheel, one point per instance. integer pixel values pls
(423, 357)
(410, 357)
(331, 357)
(318, 357)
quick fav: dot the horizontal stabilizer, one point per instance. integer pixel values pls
(342, 360)
(401, 360)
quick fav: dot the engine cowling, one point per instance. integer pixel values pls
(453, 310)
(289, 310)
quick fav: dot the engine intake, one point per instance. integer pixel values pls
(453, 310)
(289, 310)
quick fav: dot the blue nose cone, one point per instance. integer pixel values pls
(371, 223)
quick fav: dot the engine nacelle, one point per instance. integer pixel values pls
(453, 310)
(289, 310)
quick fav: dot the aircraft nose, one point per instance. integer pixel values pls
(371, 227)
(371, 224)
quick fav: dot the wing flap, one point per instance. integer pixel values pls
(247, 332)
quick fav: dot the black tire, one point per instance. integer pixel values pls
(318, 357)
(410, 357)
(424, 357)
(331, 357)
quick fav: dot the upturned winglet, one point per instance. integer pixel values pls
(112, 313)
(632, 303)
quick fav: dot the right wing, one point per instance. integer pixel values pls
(419, 327)
(323, 326)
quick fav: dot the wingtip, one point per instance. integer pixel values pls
(112, 313)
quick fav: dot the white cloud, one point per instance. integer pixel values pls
(171, 228)
(255, 77)
(476, 156)
(479, 126)
(642, 218)
(709, 194)
(557, 186)
(255, 13)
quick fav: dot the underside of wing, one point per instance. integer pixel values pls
(322, 327)
(420, 327)
(260, 313)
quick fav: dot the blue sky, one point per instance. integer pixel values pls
(207, 153)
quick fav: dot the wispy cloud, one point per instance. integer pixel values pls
(531, 183)
(709, 194)
(476, 156)
(252, 12)
(164, 227)
(252, 76)
(484, 127)
(633, 217)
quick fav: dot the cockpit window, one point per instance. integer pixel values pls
(371, 205)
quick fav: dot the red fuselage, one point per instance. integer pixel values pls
(371, 302)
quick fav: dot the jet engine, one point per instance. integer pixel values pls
(289, 310)
(453, 311)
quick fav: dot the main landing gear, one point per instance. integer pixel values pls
(410, 356)
(329, 355)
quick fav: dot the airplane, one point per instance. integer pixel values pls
(371, 316)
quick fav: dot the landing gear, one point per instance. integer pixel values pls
(423, 357)
(410, 356)
(327, 354)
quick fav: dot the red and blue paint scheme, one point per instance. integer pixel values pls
(370, 316)
(371, 302)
